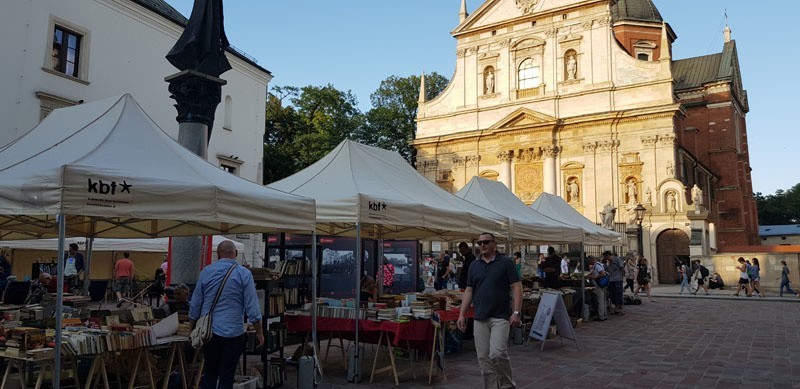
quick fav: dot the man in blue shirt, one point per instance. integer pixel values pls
(238, 299)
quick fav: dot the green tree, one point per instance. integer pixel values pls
(391, 123)
(783, 207)
(304, 124)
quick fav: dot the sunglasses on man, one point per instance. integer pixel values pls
(484, 242)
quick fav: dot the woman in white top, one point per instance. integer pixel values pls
(744, 278)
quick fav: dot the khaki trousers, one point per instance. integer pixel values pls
(491, 345)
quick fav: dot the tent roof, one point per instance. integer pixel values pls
(556, 208)
(114, 173)
(526, 223)
(377, 188)
(154, 245)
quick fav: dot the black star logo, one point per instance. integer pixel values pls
(383, 206)
(126, 187)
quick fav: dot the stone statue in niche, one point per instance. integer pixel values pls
(572, 67)
(670, 169)
(697, 195)
(607, 216)
(488, 81)
(573, 191)
(630, 190)
(648, 196)
(672, 202)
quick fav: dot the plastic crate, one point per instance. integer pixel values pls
(245, 382)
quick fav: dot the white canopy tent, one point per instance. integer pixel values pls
(113, 173)
(526, 223)
(556, 208)
(366, 191)
(359, 184)
(154, 245)
(105, 169)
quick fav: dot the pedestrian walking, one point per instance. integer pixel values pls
(616, 273)
(73, 268)
(237, 299)
(744, 278)
(644, 276)
(597, 273)
(755, 278)
(123, 274)
(684, 271)
(469, 257)
(785, 283)
(442, 271)
(630, 274)
(493, 287)
(701, 277)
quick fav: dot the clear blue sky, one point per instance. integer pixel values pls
(354, 44)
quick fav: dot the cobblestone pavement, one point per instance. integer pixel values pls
(674, 342)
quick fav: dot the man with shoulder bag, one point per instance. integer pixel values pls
(224, 294)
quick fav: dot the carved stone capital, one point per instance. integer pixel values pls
(459, 161)
(550, 151)
(551, 32)
(460, 53)
(505, 155)
(473, 160)
(608, 145)
(666, 140)
(589, 147)
(649, 140)
(430, 165)
(604, 21)
(197, 96)
(587, 25)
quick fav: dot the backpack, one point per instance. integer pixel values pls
(703, 271)
(750, 272)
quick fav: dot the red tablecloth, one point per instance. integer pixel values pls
(417, 333)
(452, 314)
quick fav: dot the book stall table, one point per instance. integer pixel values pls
(44, 363)
(439, 324)
(413, 334)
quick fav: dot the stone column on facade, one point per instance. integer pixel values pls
(549, 182)
(473, 165)
(505, 158)
(197, 96)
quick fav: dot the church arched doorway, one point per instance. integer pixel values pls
(670, 244)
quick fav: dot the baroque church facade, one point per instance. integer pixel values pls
(582, 99)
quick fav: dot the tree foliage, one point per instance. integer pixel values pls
(783, 207)
(304, 124)
(391, 123)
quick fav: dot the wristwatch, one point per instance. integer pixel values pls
(516, 313)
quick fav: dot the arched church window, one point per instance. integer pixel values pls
(528, 75)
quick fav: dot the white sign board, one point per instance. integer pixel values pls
(552, 306)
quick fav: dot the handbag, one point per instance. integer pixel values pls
(602, 281)
(202, 333)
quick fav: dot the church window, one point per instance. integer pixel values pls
(529, 75)
(228, 119)
(643, 57)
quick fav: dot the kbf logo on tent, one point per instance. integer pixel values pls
(377, 210)
(108, 192)
(108, 187)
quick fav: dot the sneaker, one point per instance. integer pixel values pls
(119, 303)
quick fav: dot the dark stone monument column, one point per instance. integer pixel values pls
(199, 54)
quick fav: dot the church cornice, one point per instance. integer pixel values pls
(465, 28)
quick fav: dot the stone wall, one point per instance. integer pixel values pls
(726, 264)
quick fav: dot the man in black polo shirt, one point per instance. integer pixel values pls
(491, 279)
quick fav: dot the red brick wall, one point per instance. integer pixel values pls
(628, 35)
(722, 148)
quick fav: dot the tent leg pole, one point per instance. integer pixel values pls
(62, 234)
(87, 272)
(359, 258)
(584, 305)
(314, 336)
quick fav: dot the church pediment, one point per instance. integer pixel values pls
(495, 12)
(524, 117)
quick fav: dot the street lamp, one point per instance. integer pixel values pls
(640, 211)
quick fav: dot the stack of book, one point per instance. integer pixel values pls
(386, 314)
(421, 309)
(20, 340)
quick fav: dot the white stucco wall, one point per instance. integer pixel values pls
(123, 52)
